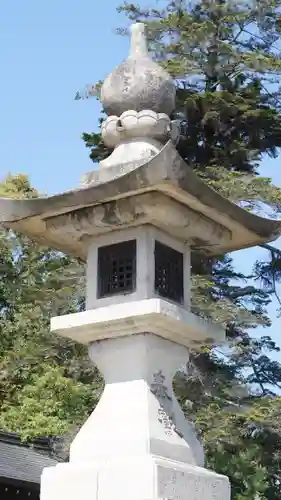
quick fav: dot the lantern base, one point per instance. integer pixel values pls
(138, 479)
(156, 315)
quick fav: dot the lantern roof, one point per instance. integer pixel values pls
(163, 192)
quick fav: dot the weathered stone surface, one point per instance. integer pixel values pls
(137, 443)
(148, 208)
(139, 96)
(138, 479)
(135, 137)
(181, 483)
(138, 83)
(137, 151)
(165, 173)
(131, 124)
(147, 419)
(159, 316)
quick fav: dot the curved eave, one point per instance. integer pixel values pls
(167, 173)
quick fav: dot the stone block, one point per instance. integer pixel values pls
(144, 478)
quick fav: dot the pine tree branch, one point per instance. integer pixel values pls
(259, 382)
(274, 251)
(271, 249)
(274, 288)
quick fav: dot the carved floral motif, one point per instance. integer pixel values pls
(132, 124)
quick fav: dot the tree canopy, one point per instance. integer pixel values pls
(46, 384)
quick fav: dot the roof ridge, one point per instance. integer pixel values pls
(39, 443)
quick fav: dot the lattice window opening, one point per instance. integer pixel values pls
(168, 281)
(117, 269)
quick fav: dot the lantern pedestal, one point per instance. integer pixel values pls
(137, 443)
(143, 478)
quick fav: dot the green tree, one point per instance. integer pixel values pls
(47, 384)
(225, 60)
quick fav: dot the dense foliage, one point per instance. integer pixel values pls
(46, 384)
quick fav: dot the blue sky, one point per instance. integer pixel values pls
(48, 51)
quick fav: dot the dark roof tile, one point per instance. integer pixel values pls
(22, 463)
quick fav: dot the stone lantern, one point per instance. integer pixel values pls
(134, 221)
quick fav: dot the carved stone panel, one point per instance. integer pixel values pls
(195, 484)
